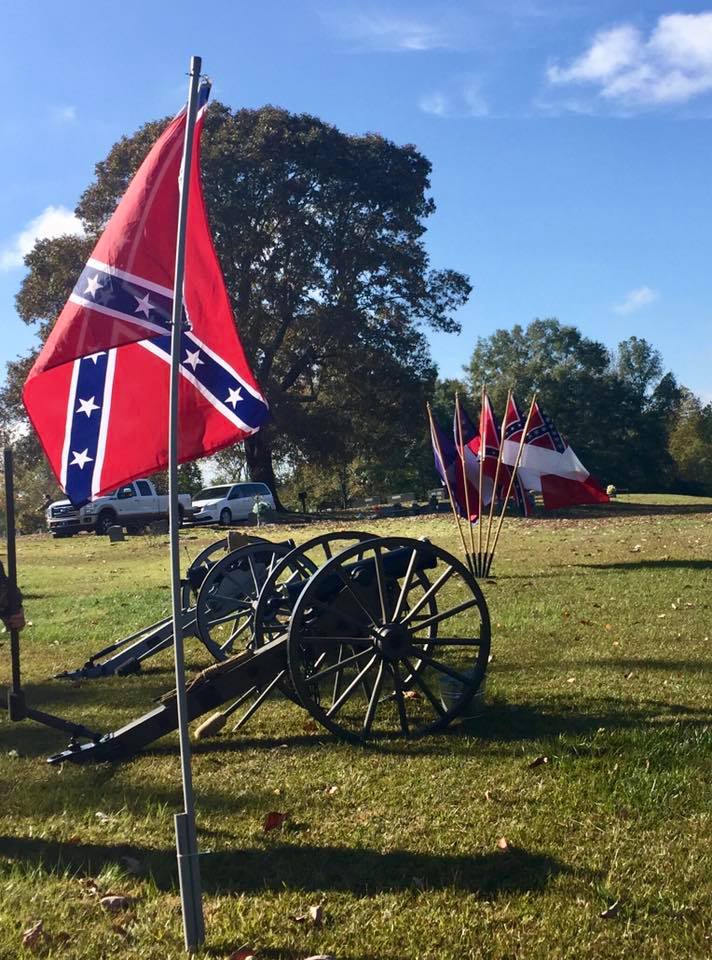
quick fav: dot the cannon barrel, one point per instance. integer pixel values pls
(394, 563)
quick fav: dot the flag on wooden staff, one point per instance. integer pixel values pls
(549, 465)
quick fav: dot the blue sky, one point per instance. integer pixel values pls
(571, 141)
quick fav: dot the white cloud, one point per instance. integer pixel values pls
(463, 98)
(63, 115)
(636, 299)
(52, 222)
(391, 33)
(672, 65)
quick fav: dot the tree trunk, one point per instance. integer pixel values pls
(258, 452)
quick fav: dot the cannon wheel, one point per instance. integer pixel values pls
(227, 596)
(372, 659)
(274, 605)
(201, 565)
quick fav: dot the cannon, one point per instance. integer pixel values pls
(376, 638)
(125, 656)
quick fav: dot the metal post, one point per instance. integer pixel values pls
(186, 836)
(15, 698)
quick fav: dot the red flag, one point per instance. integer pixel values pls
(548, 463)
(97, 394)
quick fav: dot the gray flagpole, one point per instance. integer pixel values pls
(186, 835)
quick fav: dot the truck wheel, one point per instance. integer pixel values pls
(106, 519)
(225, 517)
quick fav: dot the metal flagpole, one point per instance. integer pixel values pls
(186, 836)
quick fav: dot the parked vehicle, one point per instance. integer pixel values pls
(132, 506)
(229, 502)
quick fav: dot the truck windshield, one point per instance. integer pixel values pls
(212, 493)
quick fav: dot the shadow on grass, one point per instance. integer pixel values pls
(630, 565)
(618, 508)
(280, 866)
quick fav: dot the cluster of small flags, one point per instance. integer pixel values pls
(487, 465)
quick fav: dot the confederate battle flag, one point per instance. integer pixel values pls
(97, 394)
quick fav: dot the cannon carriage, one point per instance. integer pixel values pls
(375, 637)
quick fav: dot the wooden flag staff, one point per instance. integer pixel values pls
(436, 444)
(496, 475)
(461, 449)
(511, 484)
(479, 492)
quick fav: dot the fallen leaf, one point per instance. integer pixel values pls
(610, 912)
(114, 903)
(330, 791)
(538, 762)
(321, 956)
(608, 627)
(103, 817)
(316, 915)
(32, 936)
(636, 549)
(242, 955)
(571, 680)
(274, 820)
(412, 695)
(503, 844)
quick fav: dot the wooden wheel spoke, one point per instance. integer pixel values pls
(317, 639)
(373, 702)
(434, 702)
(328, 671)
(349, 691)
(337, 676)
(345, 581)
(342, 614)
(430, 592)
(380, 582)
(441, 667)
(451, 641)
(439, 617)
(406, 585)
(254, 574)
(400, 699)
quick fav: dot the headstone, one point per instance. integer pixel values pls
(116, 534)
(236, 539)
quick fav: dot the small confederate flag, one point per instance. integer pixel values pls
(97, 394)
(448, 464)
(548, 464)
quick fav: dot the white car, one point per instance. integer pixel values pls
(229, 502)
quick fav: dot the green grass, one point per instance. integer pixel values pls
(601, 662)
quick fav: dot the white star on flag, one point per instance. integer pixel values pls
(233, 397)
(144, 304)
(192, 359)
(80, 459)
(92, 285)
(87, 406)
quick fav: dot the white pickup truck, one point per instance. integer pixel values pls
(132, 506)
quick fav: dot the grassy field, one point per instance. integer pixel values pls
(601, 663)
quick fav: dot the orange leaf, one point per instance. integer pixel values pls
(503, 844)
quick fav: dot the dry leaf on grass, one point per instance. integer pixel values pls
(330, 791)
(274, 820)
(503, 845)
(316, 914)
(32, 937)
(321, 956)
(243, 954)
(538, 762)
(114, 903)
(610, 912)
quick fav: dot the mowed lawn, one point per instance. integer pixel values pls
(455, 846)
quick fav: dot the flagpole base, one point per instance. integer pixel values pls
(190, 886)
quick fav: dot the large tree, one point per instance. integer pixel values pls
(320, 236)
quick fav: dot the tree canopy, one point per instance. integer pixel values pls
(320, 237)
